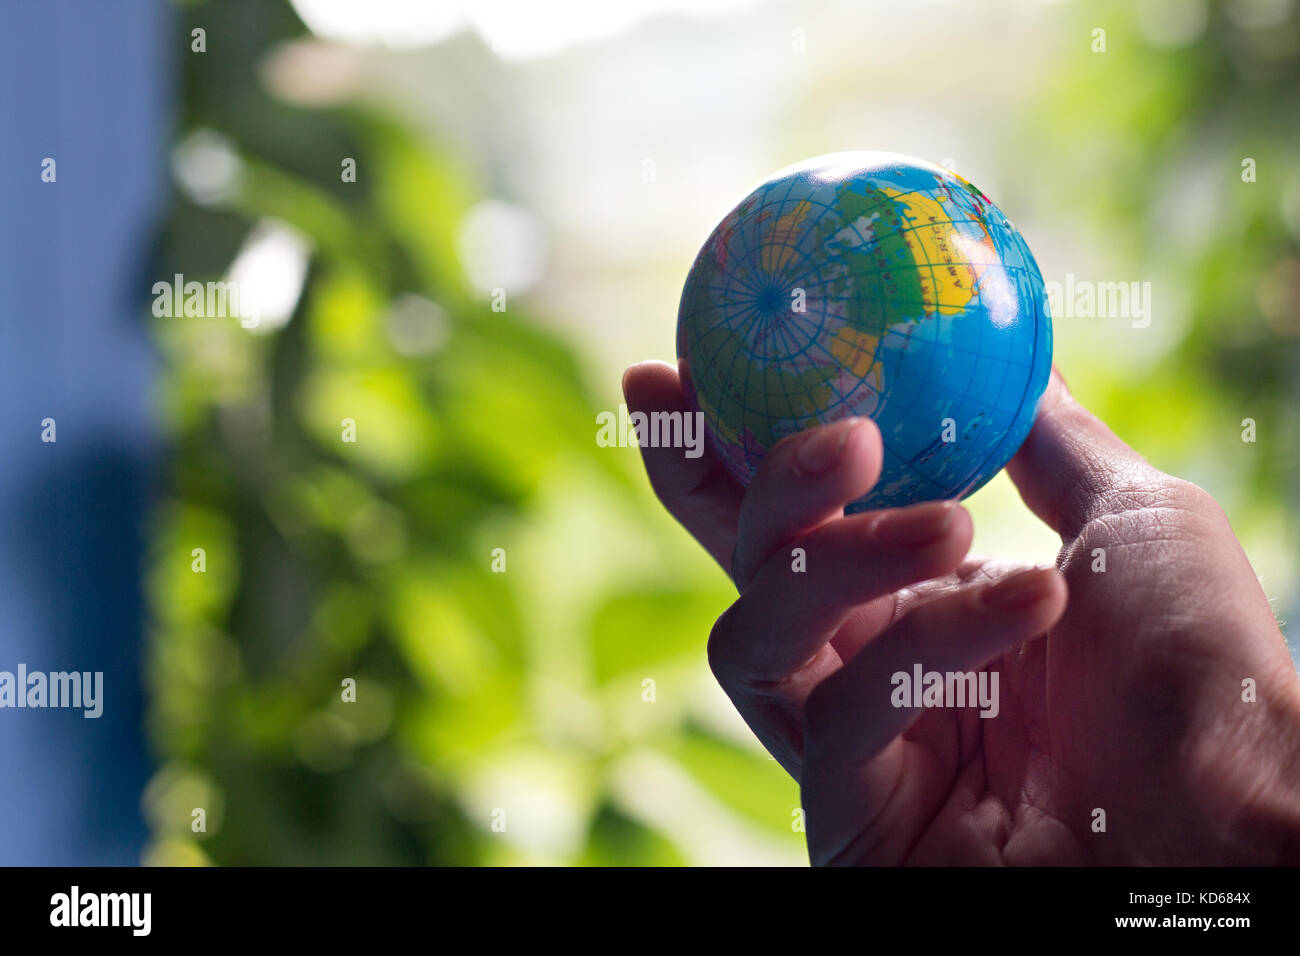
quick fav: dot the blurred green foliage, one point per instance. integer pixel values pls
(476, 692)
(1178, 144)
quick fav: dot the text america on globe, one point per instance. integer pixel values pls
(869, 284)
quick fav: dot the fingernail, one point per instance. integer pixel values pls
(822, 450)
(919, 524)
(1019, 590)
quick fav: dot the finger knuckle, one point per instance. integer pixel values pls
(720, 648)
(1192, 498)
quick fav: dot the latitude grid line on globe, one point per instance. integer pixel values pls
(742, 325)
(749, 366)
(759, 330)
(1022, 249)
(903, 232)
(865, 273)
(955, 398)
(747, 252)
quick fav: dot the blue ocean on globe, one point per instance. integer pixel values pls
(869, 284)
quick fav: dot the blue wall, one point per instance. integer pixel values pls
(84, 82)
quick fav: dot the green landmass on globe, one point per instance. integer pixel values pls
(869, 284)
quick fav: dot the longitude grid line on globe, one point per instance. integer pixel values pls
(747, 252)
(964, 397)
(879, 273)
(876, 273)
(791, 339)
(779, 204)
(997, 449)
(958, 398)
(914, 322)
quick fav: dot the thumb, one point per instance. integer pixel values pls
(1072, 468)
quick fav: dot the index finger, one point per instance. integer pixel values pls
(699, 492)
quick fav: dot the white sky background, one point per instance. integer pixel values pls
(513, 29)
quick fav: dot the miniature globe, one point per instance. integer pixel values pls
(869, 284)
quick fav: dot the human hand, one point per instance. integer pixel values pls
(1128, 699)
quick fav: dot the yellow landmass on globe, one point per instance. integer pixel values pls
(856, 351)
(949, 262)
(780, 238)
(720, 423)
